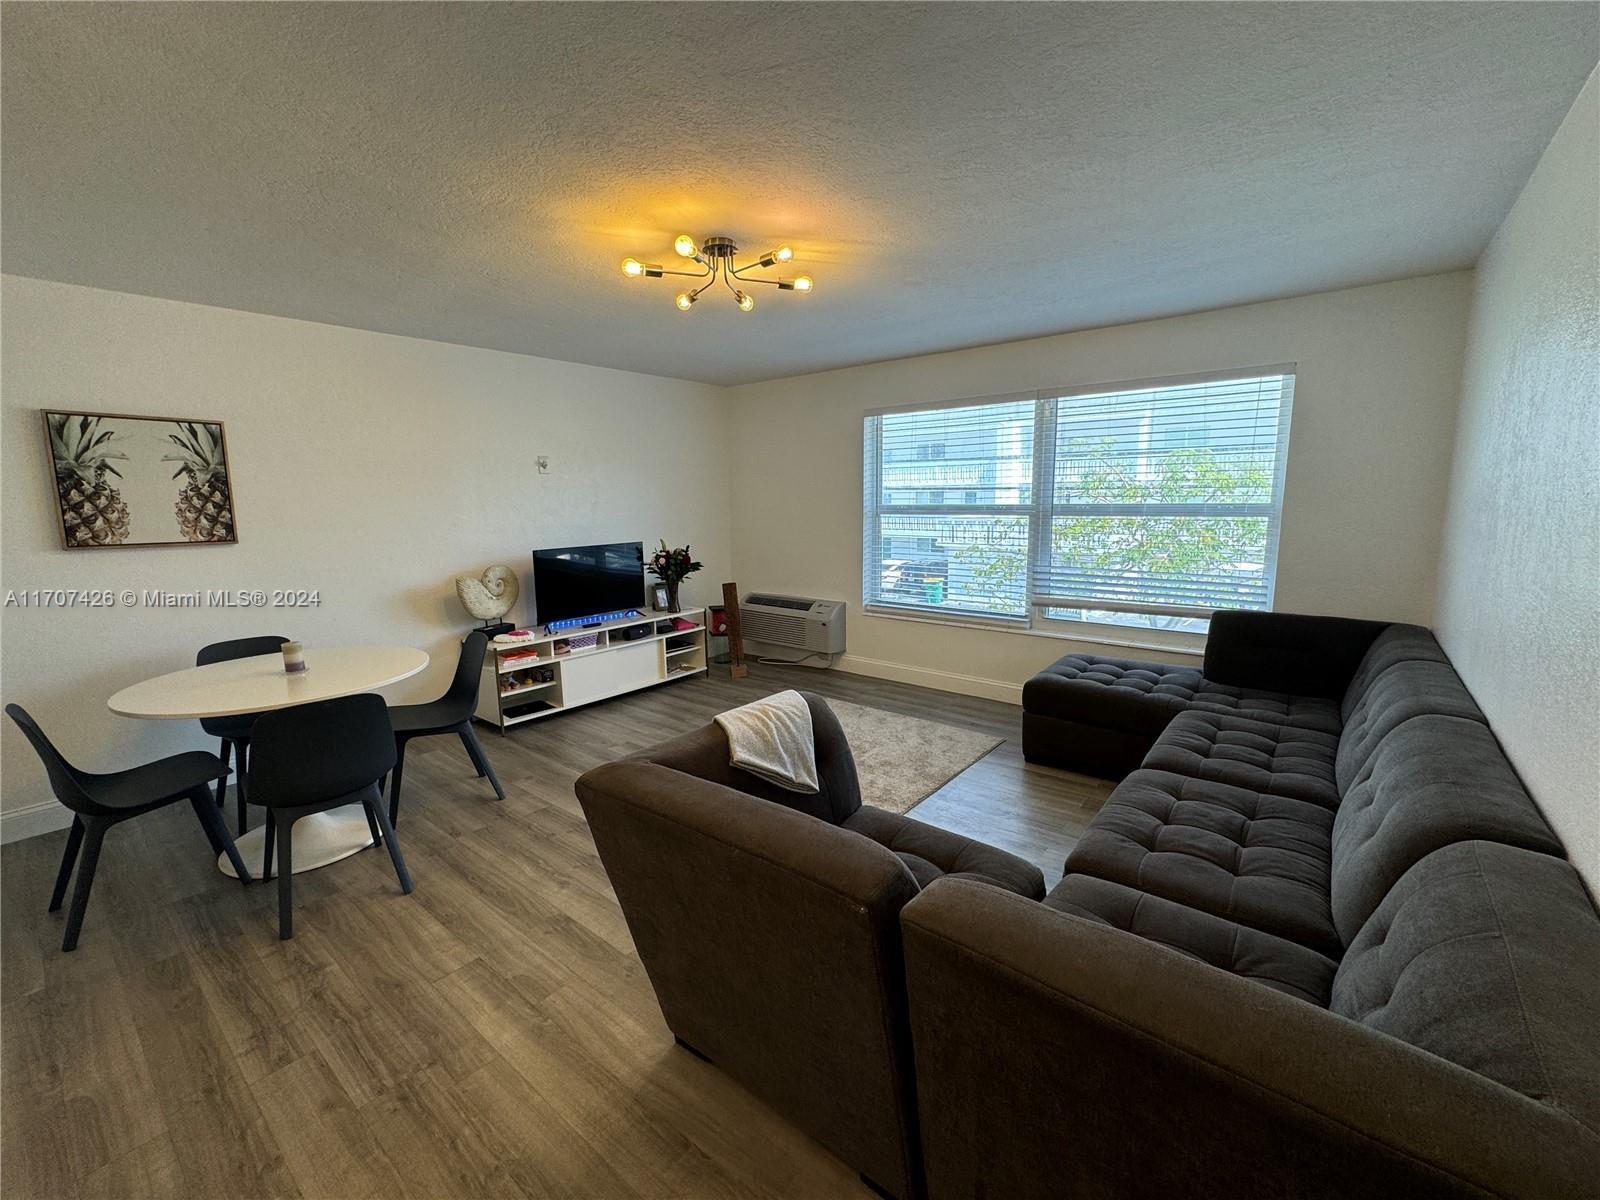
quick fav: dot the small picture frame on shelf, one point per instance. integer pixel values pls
(658, 597)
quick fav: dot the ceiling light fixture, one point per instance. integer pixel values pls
(715, 257)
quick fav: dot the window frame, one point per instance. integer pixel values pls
(1042, 509)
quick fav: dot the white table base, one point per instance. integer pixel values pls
(319, 839)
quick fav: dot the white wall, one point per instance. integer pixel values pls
(1519, 596)
(370, 467)
(1369, 457)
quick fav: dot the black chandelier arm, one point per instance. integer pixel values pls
(769, 282)
(738, 272)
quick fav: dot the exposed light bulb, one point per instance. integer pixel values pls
(746, 301)
(685, 246)
(803, 283)
(783, 254)
(632, 268)
(684, 301)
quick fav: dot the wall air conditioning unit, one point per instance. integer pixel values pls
(803, 622)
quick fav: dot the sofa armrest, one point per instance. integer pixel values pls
(1287, 652)
(952, 853)
(704, 752)
(772, 940)
(1056, 1056)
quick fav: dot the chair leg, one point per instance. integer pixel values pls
(222, 784)
(94, 833)
(469, 736)
(285, 825)
(238, 787)
(70, 856)
(372, 823)
(472, 751)
(266, 854)
(375, 809)
(217, 832)
(394, 782)
(194, 801)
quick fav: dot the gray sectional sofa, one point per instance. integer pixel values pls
(1320, 943)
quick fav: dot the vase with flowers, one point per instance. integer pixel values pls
(671, 566)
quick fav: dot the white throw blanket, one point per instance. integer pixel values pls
(772, 738)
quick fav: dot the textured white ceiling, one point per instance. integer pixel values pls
(951, 174)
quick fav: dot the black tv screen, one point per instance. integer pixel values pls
(587, 581)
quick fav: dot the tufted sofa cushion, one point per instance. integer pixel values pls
(1302, 712)
(1402, 692)
(1282, 759)
(930, 853)
(1433, 781)
(1100, 715)
(1256, 858)
(1115, 692)
(1396, 644)
(1272, 961)
(1486, 955)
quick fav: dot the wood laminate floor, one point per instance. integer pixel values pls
(492, 1034)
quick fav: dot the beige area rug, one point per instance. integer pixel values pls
(902, 760)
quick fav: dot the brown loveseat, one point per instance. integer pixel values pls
(769, 924)
(1320, 944)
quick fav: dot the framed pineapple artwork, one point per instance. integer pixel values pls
(139, 481)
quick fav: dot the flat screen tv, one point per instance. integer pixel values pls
(573, 582)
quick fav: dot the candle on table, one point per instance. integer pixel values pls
(294, 658)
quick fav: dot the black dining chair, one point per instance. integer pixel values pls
(313, 757)
(235, 731)
(100, 801)
(450, 713)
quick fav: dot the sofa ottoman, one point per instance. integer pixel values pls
(1100, 715)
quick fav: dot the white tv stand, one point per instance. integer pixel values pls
(511, 692)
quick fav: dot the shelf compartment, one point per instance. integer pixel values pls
(505, 666)
(527, 712)
(531, 687)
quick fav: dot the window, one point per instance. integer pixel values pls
(1147, 505)
(923, 553)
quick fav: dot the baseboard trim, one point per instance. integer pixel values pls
(33, 819)
(928, 677)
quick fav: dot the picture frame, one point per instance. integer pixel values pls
(658, 597)
(130, 480)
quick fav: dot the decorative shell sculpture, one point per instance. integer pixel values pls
(489, 596)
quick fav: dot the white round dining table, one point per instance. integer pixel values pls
(260, 684)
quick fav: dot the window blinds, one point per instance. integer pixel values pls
(949, 504)
(1152, 498)
(1163, 498)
